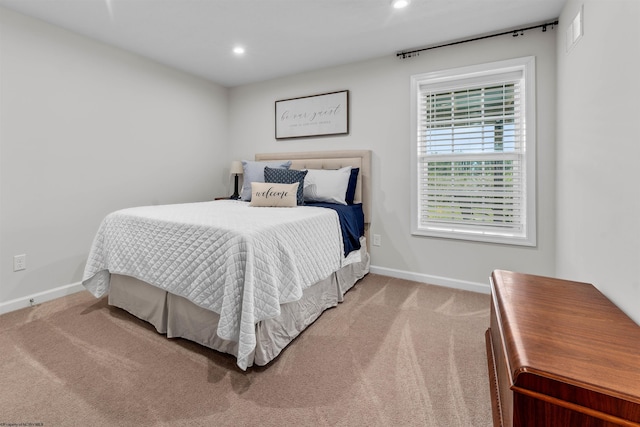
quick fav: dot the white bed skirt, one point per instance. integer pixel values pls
(177, 317)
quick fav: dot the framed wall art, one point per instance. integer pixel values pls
(315, 115)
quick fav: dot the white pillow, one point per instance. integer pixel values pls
(326, 185)
(269, 194)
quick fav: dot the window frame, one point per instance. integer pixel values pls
(484, 74)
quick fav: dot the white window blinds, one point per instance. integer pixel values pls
(471, 156)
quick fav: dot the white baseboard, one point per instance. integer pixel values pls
(40, 297)
(482, 288)
(72, 288)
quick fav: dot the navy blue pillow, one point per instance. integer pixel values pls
(351, 187)
(287, 176)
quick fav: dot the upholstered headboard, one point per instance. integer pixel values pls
(334, 160)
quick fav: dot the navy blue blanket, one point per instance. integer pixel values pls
(351, 222)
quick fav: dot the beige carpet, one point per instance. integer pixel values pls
(394, 353)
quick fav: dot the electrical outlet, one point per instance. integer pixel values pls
(377, 240)
(19, 262)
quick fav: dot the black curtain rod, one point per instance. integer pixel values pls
(515, 33)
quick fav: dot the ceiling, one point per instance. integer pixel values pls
(281, 37)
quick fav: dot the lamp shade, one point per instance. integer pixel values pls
(236, 167)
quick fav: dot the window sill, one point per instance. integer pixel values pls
(480, 236)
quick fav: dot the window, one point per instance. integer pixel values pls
(473, 153)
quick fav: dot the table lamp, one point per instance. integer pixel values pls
(236, 169)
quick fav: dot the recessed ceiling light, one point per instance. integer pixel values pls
(238, 50)
(400, 4)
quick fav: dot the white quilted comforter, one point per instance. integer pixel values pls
(239, 261)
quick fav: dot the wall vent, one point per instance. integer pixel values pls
(575, 30)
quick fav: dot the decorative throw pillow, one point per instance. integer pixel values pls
(269, 194)
(327, 185)
(351, 187)
(254, 172)
(287, 176)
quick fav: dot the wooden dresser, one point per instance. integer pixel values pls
(560, 354)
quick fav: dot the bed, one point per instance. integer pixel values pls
(258, 289)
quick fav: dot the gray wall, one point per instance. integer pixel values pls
(379, 120)
(598, 206)
(86, 129)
